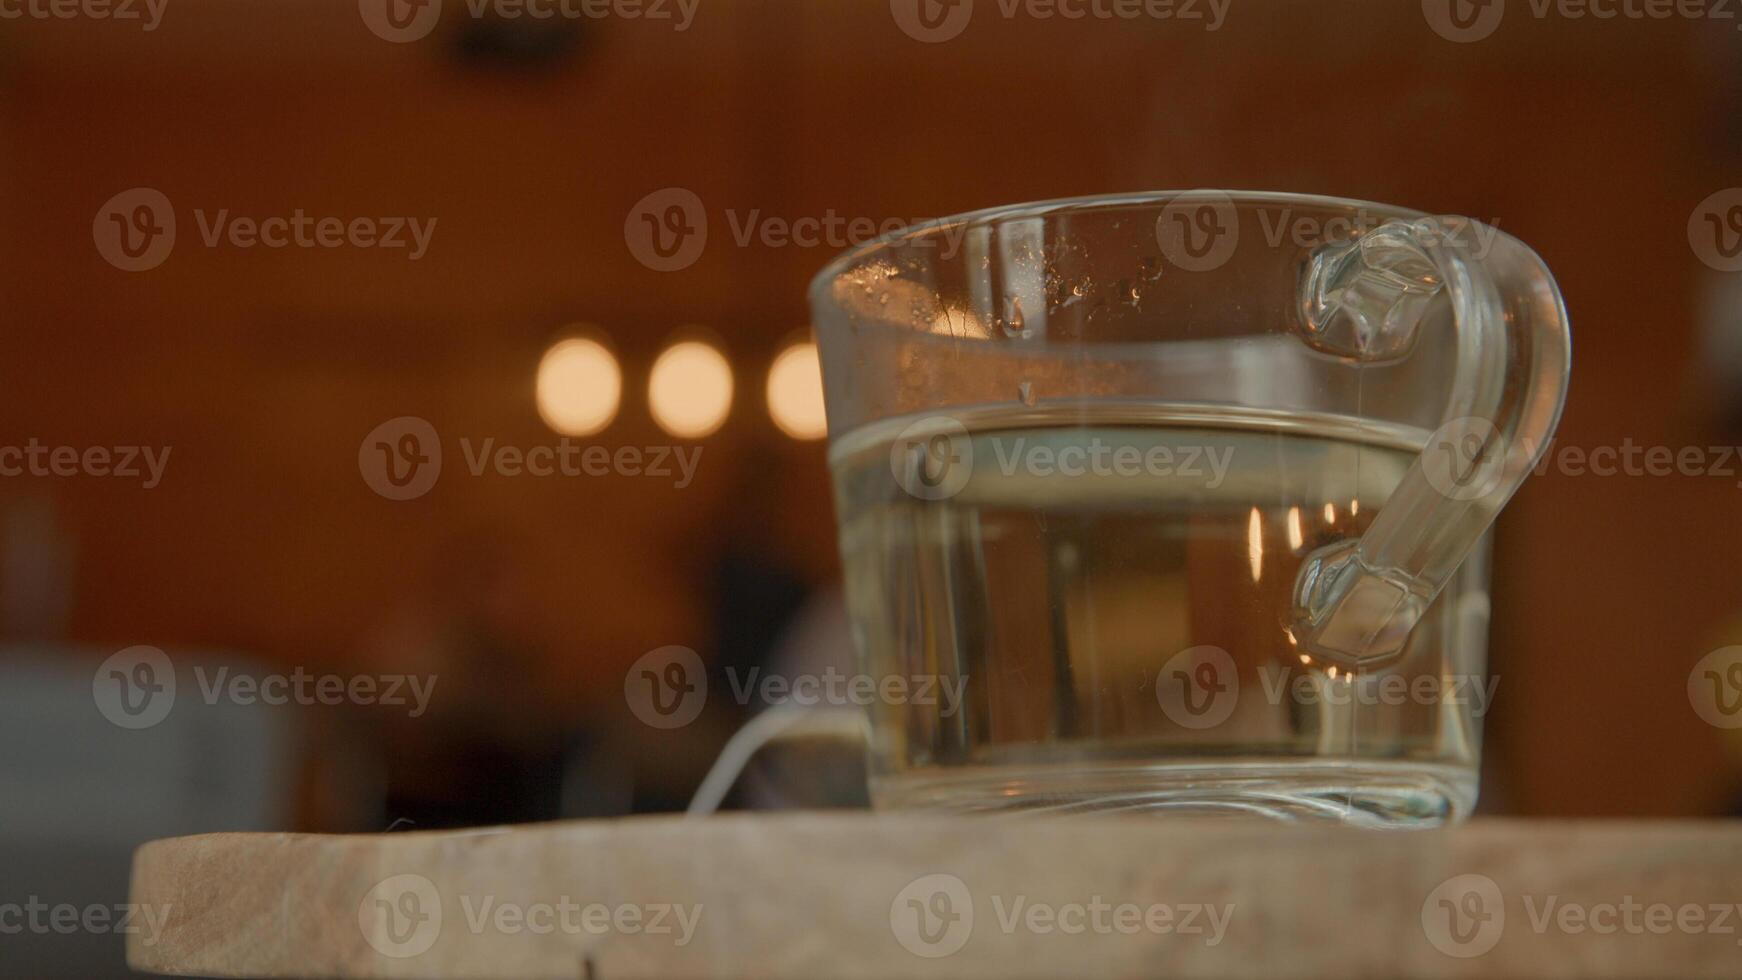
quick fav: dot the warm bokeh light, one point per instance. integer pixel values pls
(795, 392)
(690, 390)
(1255, 544)
(579, 387)
(1295, 537)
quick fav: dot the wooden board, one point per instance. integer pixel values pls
(819, 897)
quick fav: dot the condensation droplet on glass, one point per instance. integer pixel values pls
(1025, 392)
(1014, 325)
(1152, 268)
(1066, 294)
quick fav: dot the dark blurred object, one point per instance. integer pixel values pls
(520, 43)
(494, 746)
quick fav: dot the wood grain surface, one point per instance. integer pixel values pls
(819, 897)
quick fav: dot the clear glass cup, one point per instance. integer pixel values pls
(1179, 501)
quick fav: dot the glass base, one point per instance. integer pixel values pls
(1394, 795)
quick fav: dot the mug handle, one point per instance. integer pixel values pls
(1356, 602)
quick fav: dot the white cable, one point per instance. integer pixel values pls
(758, 732)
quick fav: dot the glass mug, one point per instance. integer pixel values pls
(1179, 502)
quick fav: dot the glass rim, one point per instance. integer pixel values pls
(849, 257)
